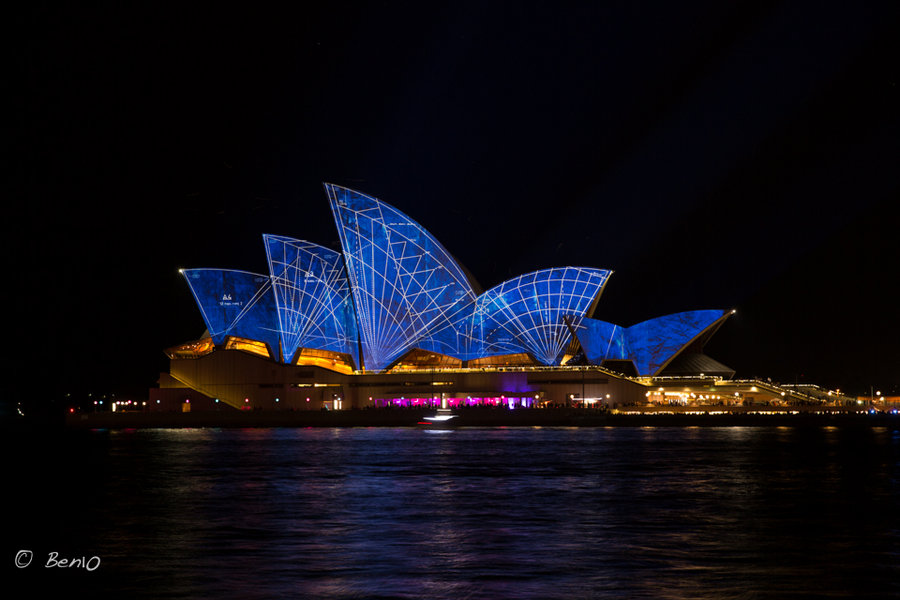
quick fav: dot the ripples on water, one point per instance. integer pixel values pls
(474, 513)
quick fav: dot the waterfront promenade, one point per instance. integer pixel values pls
(483, 417)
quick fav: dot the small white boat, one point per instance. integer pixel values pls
(444, 419)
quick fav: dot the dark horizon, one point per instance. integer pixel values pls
(739, 156)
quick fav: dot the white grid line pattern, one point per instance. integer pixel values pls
(523, 314)
(527, 312)
(402, 280)
(312, 296)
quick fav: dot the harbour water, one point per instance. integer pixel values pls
(618, 512)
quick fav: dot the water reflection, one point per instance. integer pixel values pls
(490, 513)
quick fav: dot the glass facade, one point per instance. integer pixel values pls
(394, 292)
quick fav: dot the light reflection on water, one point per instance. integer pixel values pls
(483, 513)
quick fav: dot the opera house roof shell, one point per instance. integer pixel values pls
(393, 289)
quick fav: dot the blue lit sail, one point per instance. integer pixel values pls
(524, 314)
(528, 313)
(402, 280)
(313, 297)
(602, 341)
(651, 344)
(235, 303)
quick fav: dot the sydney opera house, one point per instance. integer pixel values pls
(392, 319)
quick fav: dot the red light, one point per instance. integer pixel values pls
(71, 410)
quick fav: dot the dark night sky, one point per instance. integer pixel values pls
(715, 155)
